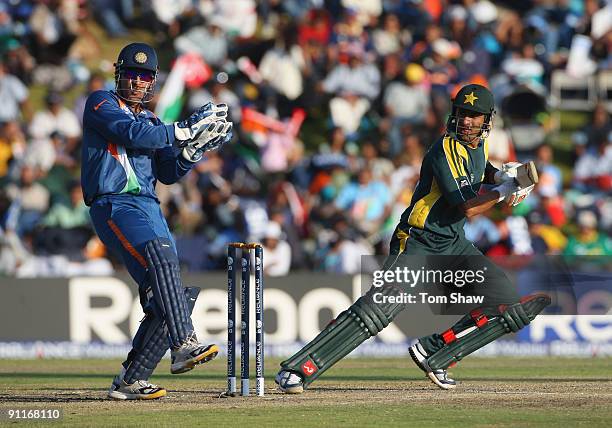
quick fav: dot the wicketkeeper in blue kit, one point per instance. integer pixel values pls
(126, 149)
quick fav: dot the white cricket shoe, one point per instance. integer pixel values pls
(139, 390)
(289, 382)
(438, 376)
(190, 354)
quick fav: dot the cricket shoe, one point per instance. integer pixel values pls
(289, 382)
(139, 390)
(190, 354)
(438, 376)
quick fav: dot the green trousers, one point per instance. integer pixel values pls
(418, 248)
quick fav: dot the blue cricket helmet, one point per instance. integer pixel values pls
(140, 56)
(137, 55)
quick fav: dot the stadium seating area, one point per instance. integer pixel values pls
(334, 104)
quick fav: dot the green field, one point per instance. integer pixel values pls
(506, 392)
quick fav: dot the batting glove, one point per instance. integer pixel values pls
(506, 189)
(507, 173)
(191, 128)
(214, 136)
(519, 196)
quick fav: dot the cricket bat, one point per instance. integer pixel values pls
(526, 175)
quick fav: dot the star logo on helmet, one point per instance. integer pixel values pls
(470, 98)
(140, 57)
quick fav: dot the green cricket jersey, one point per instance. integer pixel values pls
(451, 174)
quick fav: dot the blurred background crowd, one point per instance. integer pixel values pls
(334, 102)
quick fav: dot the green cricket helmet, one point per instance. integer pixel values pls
(471, 98)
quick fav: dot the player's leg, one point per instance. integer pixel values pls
(420, 250)
(170, 303)
(118, 234)
(496, 290)
(126, 228)
(502, 312)
(485, 329)
(148, 348)
(365, 318)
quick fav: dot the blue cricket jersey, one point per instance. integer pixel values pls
(123, 153)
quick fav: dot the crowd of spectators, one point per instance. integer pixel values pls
(334, 102)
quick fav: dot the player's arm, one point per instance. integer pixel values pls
(485, 201)
(490, 174)
(480, 203)
(173, 163)
(513, 191)
(170, 166)
(515, 182)
(454, 184)
(104, 115)
(451, 176)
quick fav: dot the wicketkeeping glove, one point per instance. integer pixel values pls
(191, 128)
(214, 136)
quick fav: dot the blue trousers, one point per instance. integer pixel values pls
(125, 224)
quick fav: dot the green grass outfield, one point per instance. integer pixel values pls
(504, 392)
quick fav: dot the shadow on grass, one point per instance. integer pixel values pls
(83, 398)
(466, 379)
(90, 395)
(340, 378)
(34, 375)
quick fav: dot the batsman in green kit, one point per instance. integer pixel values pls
(448, 192)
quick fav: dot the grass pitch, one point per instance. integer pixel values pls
(504, 392)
